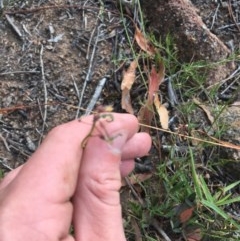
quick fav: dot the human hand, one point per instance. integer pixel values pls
(62, 184)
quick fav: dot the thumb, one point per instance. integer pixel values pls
(100, 168)
(97, 199)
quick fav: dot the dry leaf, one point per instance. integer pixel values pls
(137, 231)
(162, 112)
(205, 109)
(186, 214)
(145, 114)
(193, 234)
(126, 101)
(129, 76)
(127, 82)
(154, 81)
(143, 43)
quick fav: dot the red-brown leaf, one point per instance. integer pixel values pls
(155, 80)
(143, 43)
(127, 82)
(145, 114)
(186, 214)
(193, 234)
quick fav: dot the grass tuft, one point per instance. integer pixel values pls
(186, 194)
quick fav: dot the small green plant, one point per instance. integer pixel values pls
(1, 173)
(179, 195)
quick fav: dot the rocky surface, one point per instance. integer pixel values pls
(193, 38)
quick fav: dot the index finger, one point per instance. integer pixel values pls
(52, 171)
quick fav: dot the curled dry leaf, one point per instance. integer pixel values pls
(162, 112)
(146, 113)
(143, 43)
(205, 109)
(127, 82)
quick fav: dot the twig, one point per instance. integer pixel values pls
(216, 142)
(227, 26)
(4, 142)
(90, 40)
(133, 190)
(89, 73)
(76, 87)
(15, 28)
(4, 163)
(16, 145)
(83, 13)
(228, 78)
(95, 96)
(26, 30)
(215, 16)
(171, 93)
(38, 23)
(20, 72)
(232, 15)
(156, 225)
(230, 85)
(97, 118)
(45, 93)
(37, 9)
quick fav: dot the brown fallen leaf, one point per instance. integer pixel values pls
(126, 101)
(154, 82)
(143, 43)
(126, 85)
(186, 214)
(192, 234)
(146, 113)
(205, 109)
(162, 112)
(145, 116)
(137, 231)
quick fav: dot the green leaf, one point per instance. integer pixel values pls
(206, 191)
(220, 212)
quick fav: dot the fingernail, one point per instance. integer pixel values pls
(118, 142)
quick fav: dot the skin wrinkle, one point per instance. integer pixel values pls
(94, 185)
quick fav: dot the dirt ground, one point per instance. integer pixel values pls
(54, 58)
(51, 66)
(58, 58)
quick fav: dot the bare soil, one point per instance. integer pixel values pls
(44, 67)
(54, 55)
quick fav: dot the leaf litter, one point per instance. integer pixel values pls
(146, 112)
(129, 76)
(152, 103)
(143, 43)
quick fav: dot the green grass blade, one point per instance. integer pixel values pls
(220, 212)
(195, 176)
(231, 186)
(205, 190)
(229, 201)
